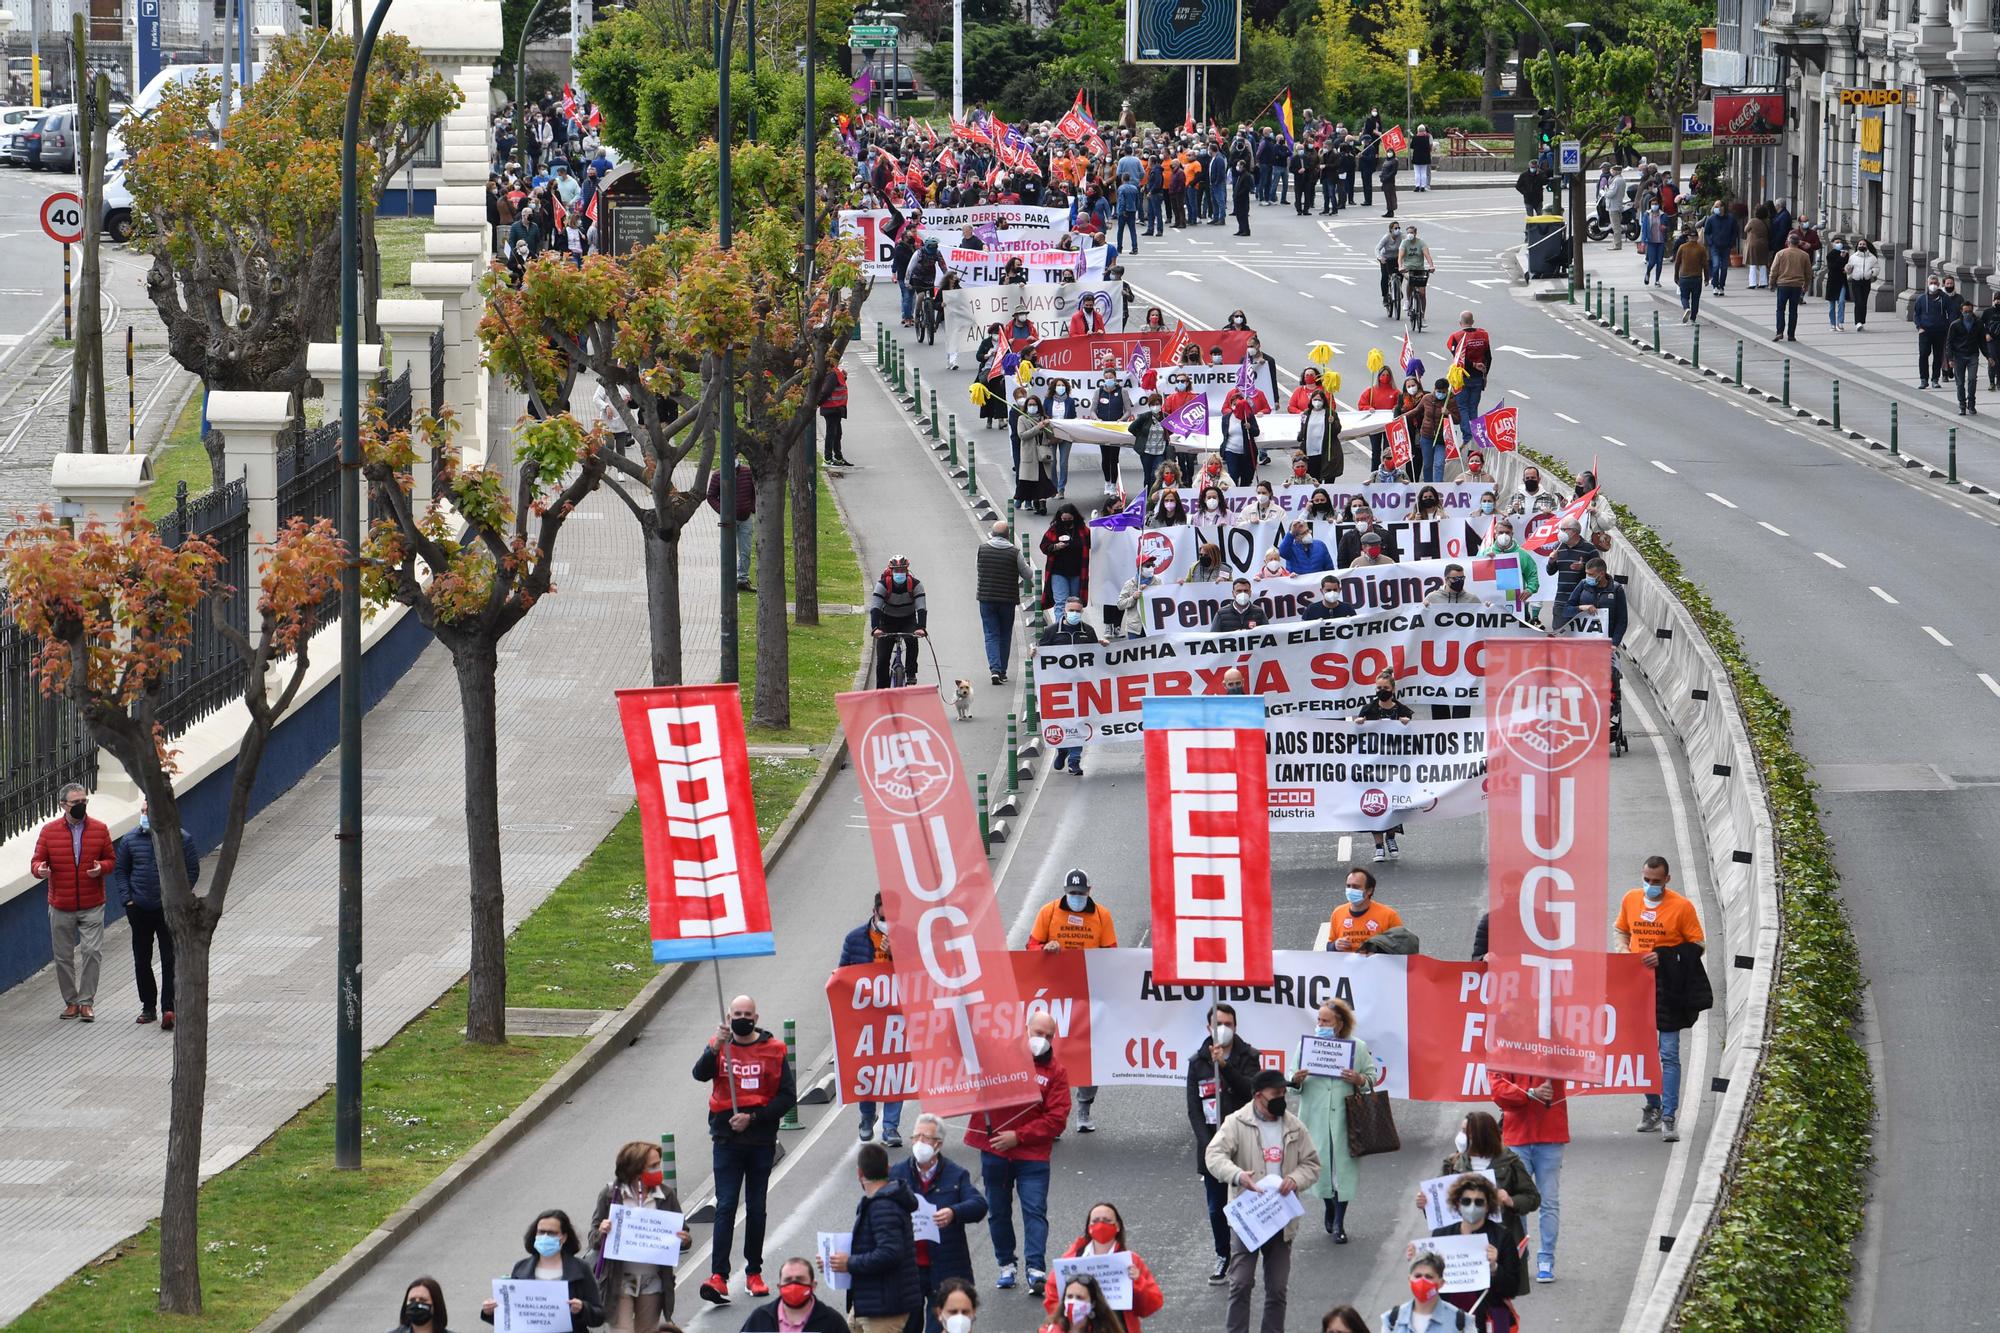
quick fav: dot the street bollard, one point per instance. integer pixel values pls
(1788, 381)
(1893, 451)
(1694, 357)
(1572, 289)
(791, 1120)
(1597, 307)
(1028, 691)
(1656, 333)
(1013, 755)
(933, 428)
(917, 387)
(1027, 579)
(1609, 315)
(881, 345)
(954, 439)
(667, 1160)
(1951, 451)
(985, 818)
(972, 468)
(1739, 363)
(1836, 404)
(1625, 319)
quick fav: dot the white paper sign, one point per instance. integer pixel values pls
(644, 1236)
(1257, 1215)
(1113, 1273)
(923, 1223)
(1328, 1056)
(530, 1307)
(830, 1244)
(1465, 1266)
(1437, 1208)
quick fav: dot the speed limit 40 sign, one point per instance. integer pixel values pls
(62, 217)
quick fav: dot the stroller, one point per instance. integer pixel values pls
(1619, 744)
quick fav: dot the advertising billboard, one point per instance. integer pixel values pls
(1183, 32)
(1749, 120)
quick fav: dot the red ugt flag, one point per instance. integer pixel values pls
(1209, 840)
(1398, 454)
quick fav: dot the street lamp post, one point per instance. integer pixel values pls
(521, 55)
(1555, 74)
(725, 459)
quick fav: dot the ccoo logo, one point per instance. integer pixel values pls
(906, 764)
(1550, 717)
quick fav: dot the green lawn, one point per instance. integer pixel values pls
(401, 241)
(180, 457)
(283, 1215)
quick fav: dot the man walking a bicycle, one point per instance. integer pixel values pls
(897, 618)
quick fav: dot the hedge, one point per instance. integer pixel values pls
(1778, 1255)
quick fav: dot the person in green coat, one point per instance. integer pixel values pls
(1480, 1149)
(1323, 1108)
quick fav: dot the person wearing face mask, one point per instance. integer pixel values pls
(1331, 605)
(1480, 1147)
(1076, 920)
(1240, 612)
(1452, 592)
(1220, 1079)
(932, 1176)
(1661, 924)
(869, 943)
(1535, 1125)
(73, 855)
(1426, 1311)
(552, 1248)
(1261, 1141)
(1319, 436)
(1932, 318)
(137, 879)
(1381, 396)
(1323, 1111)
(1836, 283)
(1864, 266)
(1065, 548)
(752, 1085)
(1083, 1309)
(956, 1307)
(1104, 1233)
(1369, 550)
(1001, 572)
(1474, 473)
(797, 1308)
(1719, 235)
(1014, 1145)
(1239, 430)
(1302, 552)
(1599, 592)
(1479, 1210)
(1502, 543)
(1148, 440)
(1319, 507)
(1209, 566)
(1038, 456)
(1263, 507)
(1360, 919)
(1384, 706)
(423, 1309)
(896, 610)
(1108, 404)
(1533, 488)
(1068, 630)
(637, 1297)
(1967, 343)
(1167, 510)
(1185, 447)
(883, 1294)
(1791, 272)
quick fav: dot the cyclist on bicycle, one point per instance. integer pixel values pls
(1413, 257)
(926, 270)
(896, 615)
(1386, 251)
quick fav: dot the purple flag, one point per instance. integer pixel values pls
(1246, 378)
(1137, 364)
(1190, 418)
(862, 87)
(1131, 516)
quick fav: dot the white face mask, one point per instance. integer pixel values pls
(1224, 1034)
(923, 1152)
(958, 1323)
(1242, 599)
(1038, 1045)
(1459, 1140)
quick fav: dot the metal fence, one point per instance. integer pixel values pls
(210, 670)
(309, 472)
(44, 743)
(437, 371)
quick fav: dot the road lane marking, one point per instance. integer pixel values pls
(1522, 396)
(1942, 640)
(1883, 595)
(1990, 683)
(1251, 271)
(1612, 439)
(1570, 419)
(1726, 504)
(1663, 467)
(1346, 848)
(1768, 528)
(1829, 559)
(1368, 324)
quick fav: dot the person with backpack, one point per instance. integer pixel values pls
(1426, 1282)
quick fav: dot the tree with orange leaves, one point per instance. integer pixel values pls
(113, 609)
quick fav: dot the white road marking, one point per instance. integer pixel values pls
(1726, 504)
(1829, 559)
(1522, 396)
(1613, 439)
(1338, 310)
(1942, 640)
(1307, 295)
(1345, 849)
(1768, 528)
(1990, 683)
(1369, 324)
(1570, 419)
(1251, 271)
(1662, 467)
(1883, 595)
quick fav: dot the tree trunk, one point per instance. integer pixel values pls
(92, 344)
(180, 1242)
(663, 600)
(1489, 74)
(772, 704)
(213, 442)
(371, 278)
(805, 532)
(1675, 119)
(477, 665)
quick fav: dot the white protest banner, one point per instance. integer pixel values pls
(1465, 1264)
(530, 1307)
(1182, 608)
(1388, 502)
(1329, 1057)
(644, 1236)
(1276, 431)
(1257, 1215)
(1038, 228)
(983, 268)
(1324, 668)
(1346, 777)
(830, 1244)
(1437, 1197)
(969, 311)
(1119, 547)
(1113, 1272)
(923, 1222)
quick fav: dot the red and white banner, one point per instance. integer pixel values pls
(1117, 1023)
(1092, 352)
(1397, 456)
(1028, 227)
(945, 933)
(1189, 608)
(1549, 806)
(1394, 140)
(1545, 530)
(1502, 427)
(705, 892)
(1209, 840)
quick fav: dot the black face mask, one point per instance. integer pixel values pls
(417, 1312)
(76, 809)
(743, 1027)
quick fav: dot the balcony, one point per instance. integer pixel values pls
(1732, 69)
(1798, 29)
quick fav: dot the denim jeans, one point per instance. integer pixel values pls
(1656, 255)
(1002, 1179)
(1329, 193)
(1218, 194)
(1545, 1163)
(1668, 1102)
(1062, 587)
(909, 299)
(1836, 306)
(1062, 465)
(1156, 214)
(892, 1116)
(741, 1171)
(1468, 400)
(997, 619)
(1128, 223)
(1218, 1224)
(1070, 757)
(1433, 461)
(1788, 310)
(1691, 295)
(1264, 191)
(745, 527)
(1718, 269)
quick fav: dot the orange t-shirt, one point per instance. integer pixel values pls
(1344, 925)
(1666, 923)
(1088, 929)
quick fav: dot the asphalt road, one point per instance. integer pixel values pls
(1859, 590)
(33, 268)
(1615, 1181)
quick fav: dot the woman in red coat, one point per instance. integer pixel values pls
(1381, 396)
(1105, 1234)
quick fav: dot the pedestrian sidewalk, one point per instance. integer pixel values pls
(83, 1111)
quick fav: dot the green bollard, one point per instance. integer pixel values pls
(1597, 301)
(1625, 320)
(667, 1161)
(954, 439)
(1027, 579)
(1656, 333)
(933, 428)
(917, 387)
(1609, 315)
(881, 345)
(972, 468)
(1836, 404)
(985, 818)
(1572, 289)
(1893, 451)
(1013, 755)
(1788, 381)
(1739, 363)
(1695, 356)
(791, 1120)
(1951, 451)
(1028, 692)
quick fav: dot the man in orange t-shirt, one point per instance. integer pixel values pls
(1652, 918)
(1362, 918)
(1075, 921)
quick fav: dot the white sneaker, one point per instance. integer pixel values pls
(1380, 856)
(1673, 1133)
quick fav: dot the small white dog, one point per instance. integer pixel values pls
(962, 698)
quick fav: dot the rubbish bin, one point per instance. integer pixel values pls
(1548, 250)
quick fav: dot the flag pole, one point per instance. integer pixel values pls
(715, 966)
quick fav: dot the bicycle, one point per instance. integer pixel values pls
(1393, 305)
(902, 646)
(930, 317)
(1418, 301)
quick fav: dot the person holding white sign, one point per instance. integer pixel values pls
(1479, 1147)
(1426, 1311)
(1323, 1110)
(1250, 1148)
(552, 1247)
(1477, 1203)
(1220, 1078)
(1129, 1286)
(637, 1296)
(947, 1203)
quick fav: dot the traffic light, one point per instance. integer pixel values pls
(1546, 127)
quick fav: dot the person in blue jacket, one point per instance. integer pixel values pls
(1304, 553)
(1598, 591)
(1719, 232)
(869, 943)
(948, 1187)
(137, 880)
(881, 1259)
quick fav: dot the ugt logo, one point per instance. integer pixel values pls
(1550, 717)
(906, 764)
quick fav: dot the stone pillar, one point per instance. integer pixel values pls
(250, 422)
(449, 284)
(408, 325)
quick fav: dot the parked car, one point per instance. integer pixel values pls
(23, 133)
(59, 134)
(117, 204)
(12, 118)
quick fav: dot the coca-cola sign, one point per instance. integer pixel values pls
(1749, 120)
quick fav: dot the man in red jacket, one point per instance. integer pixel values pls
(1535, 1124)
(746, 509)
(74, 854)
(1014, 1144)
